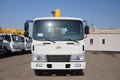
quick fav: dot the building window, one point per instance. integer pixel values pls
(91, 41)
(103, 41)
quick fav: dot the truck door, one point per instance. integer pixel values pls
(7, 42)
(16, 42)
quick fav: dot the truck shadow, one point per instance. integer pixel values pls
(62, 73)
(112, 53)
(14, 54)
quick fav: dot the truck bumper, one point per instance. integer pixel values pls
(58, 65)
(16, 50)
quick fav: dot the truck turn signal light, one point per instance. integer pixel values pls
(56, 13)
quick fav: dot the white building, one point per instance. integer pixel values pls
(103, 39)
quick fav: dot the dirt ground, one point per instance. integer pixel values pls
(100, 66)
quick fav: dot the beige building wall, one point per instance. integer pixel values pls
(103, 40)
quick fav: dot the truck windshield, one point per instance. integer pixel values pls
(58, 30)
(1, 37)
(16, 38)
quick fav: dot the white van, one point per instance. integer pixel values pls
(11, 43)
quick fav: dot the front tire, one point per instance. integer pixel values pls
(5, 51)
(37, 72)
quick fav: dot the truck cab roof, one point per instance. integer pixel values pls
(58, 18)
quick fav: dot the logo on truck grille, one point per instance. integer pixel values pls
(58, 47)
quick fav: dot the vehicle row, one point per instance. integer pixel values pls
(10, 43)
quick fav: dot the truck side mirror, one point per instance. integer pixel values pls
(26, 26)
(86, 29)
(26, 34)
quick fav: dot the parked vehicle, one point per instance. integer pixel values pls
(1, 45)
(26, 43)
(11, 43)
(14, 40)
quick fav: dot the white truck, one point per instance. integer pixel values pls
(58, 43)
(11, 40)
(11, 43)
(26, 43)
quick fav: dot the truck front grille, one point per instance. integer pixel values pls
(58, 58)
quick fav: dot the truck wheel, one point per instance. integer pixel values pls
(37, 72)
(23, 51)
(5, 51)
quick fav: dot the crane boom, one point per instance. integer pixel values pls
(12, 30)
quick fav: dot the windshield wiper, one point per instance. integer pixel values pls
(71, 40)
(48, 39)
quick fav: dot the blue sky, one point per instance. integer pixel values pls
(101, 13)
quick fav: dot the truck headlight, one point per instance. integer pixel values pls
(41, 58)
(80, 57)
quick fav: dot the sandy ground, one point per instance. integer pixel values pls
(100, 66)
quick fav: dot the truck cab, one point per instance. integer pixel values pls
(26, 43)
(11, 43)
(58, 43)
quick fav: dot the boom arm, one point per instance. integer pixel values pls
(12, 30)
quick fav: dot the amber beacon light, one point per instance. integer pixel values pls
(56, 13)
